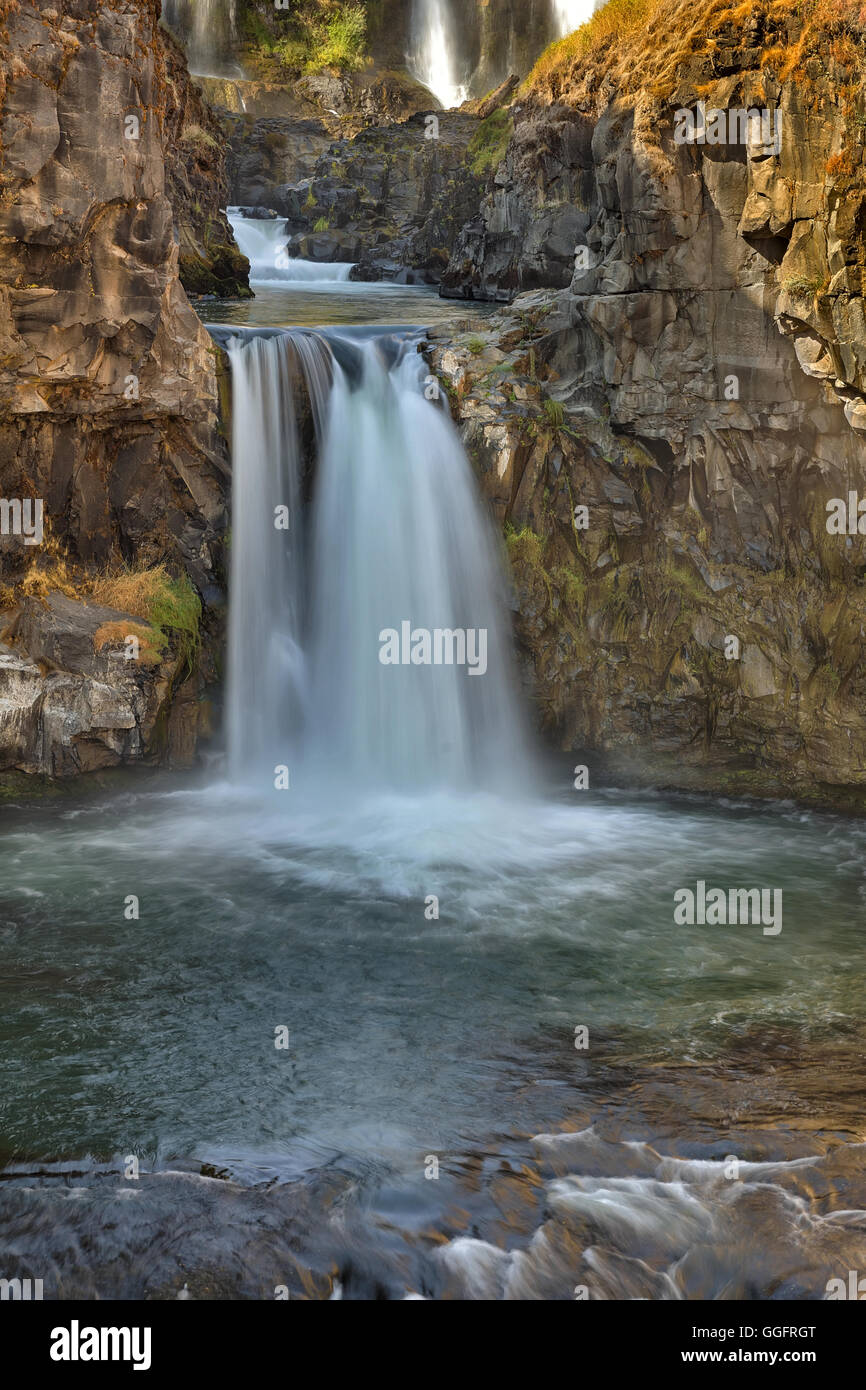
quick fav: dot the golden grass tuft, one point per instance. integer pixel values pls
(166, 604)
(151, 643)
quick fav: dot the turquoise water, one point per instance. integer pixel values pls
(157, 1035)
(407, 1037)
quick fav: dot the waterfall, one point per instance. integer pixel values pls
(264, 242)
(266, 668)
(435, 58)
(398, 541)
(208, 29)
(462, 48)
(568, 15)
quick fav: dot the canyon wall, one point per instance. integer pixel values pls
(108, 384)
(694, 378)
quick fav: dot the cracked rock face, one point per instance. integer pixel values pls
(69, 704)
(108, 384)
(695, 380)
(107, 379)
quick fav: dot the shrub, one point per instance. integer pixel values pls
(197, 135)
(487, 147)
(168, 605)
(343, 42)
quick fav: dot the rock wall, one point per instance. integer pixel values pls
(197, 185)
(392, 199)
(108, 387)
(698, 387)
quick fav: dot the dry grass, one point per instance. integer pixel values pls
(151, 644)
(170, 609)
(166, 604)
(48, 572)
(648, 44)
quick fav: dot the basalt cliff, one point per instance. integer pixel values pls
(108, 394)
(664, 415)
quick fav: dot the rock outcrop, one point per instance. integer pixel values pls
(73, 700)
(697, 388)
(108, 384)
(197, 185)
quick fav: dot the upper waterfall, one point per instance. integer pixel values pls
(463, 48)
(435, 58)
(208, 28)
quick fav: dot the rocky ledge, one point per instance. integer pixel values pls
(84, 687)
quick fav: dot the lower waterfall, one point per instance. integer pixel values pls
(368, 631)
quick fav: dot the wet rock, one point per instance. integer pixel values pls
(210, 261)
(392, 199)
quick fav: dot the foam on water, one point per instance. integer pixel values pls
(264, 241)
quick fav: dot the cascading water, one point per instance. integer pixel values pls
(398, 538)
(266, 666)
(461, 48)
(264, 242)
(435, 58)
(400, 544)
(208, 29)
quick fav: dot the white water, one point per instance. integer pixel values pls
(264, 242)
(568, 15)
(209, 29)
(398, 535)
(266, 665)
(434, 58)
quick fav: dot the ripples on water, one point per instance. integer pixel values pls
(412, 1038)
(338, 302)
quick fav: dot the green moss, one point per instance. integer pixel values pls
(524, 545)
(321, 224)
(677, 576)
(488, 145)
(554, 411)
(174, 605)
(572, 585)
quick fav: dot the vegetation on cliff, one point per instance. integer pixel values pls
(633, 45)
(315, 36)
